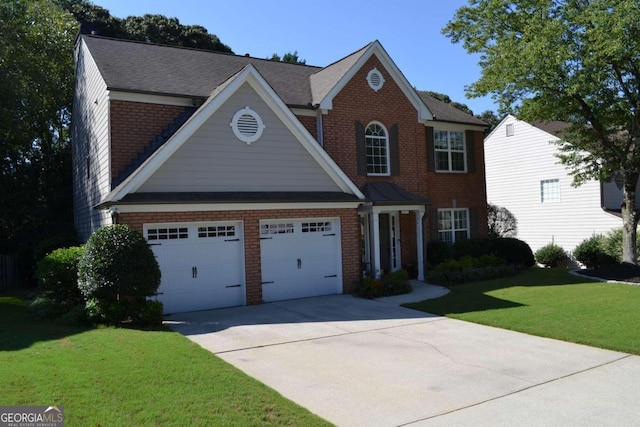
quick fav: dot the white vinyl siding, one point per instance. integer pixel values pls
(515, 168)
(213, 159)
(90, 145)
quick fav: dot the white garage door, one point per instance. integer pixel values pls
(300, 258)
(202, 265)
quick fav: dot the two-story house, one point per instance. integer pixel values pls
(256, 180)
(525, 176)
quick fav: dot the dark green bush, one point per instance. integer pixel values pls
(395, 283)
(57, 275)
(551, 255)
(44, 308)
(513, 251)
(117, 272)
(591, 252)
(438, 252)
(151, 314)
(471, 247)
(488, 260)
(451, 276)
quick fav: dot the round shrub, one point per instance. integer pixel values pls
(116, 273)
(513, 251)
(470, 247)
(550, 255)
(57, 275)
(591, 253)
(438, 252)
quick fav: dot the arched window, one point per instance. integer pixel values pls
(377, 149)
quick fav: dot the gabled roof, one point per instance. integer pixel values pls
(444, 112)
(329, 81)
(552, 127)
(132, 66)
(389, 193)
(220, 95)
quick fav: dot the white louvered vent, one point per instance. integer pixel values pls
(247, 125)
(375, 79)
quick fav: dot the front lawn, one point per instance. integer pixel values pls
(550, 303)
(113, 377)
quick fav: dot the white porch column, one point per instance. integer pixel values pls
(419, 239)
(375, 235)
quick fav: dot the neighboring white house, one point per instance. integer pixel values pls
(525, 176)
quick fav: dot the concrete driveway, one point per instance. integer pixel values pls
(358, 362)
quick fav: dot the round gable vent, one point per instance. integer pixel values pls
(375, 79)
(247, 125)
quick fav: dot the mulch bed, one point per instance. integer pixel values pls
(622, 272)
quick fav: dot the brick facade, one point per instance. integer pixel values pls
(349, 232)
(133, 126)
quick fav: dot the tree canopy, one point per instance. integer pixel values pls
(36, 87)
(149, 27)
(291, 58)
(577, 61)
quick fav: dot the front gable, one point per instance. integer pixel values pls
(205, 155)
(214, 159)
(327, 83)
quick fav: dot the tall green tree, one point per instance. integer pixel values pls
(36, 87)
(571, 60)
(289, 57)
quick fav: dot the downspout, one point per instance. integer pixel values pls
(319, 127)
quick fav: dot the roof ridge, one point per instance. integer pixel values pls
(195, 49)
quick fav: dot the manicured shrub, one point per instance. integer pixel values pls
(470, 247)
(397, 283)
(551, 255)
(513, 251)
(151, 314)
(57, 275)
(488, 260)
(117, 272)
(438, 252)
(591, 253)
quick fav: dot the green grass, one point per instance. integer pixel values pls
(550, 303)
(110, 377)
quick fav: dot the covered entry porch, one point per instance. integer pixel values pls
(380, 220)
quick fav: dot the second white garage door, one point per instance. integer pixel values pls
(300, 258)
(202, 265)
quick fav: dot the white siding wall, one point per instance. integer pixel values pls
(514, 168)
(213, 159)
(90, 137)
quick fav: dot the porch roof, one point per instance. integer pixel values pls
(389, 194)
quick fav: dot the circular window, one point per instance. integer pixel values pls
(375, 79)
(247, 125)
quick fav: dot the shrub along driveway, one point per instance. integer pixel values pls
(362, 362)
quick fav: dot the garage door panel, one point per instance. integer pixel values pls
(202, 268)
(303, 262)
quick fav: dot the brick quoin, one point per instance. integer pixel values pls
(350, 237)
(133, 126)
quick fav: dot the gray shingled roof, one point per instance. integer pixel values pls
(148, 68)
(446, 113)
(553, 127)
(389, 193)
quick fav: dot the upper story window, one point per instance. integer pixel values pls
(377, 149)
(449, 151)
(550, 190)
(453, 225)
(509, 129)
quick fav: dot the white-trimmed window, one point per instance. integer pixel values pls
(247, 125)
(453, 225)
(550, 190)
(509, 129)
(377, 149)
(281, 228)
(167, 233)
(449, 151)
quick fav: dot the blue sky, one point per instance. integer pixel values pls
(323, 32)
